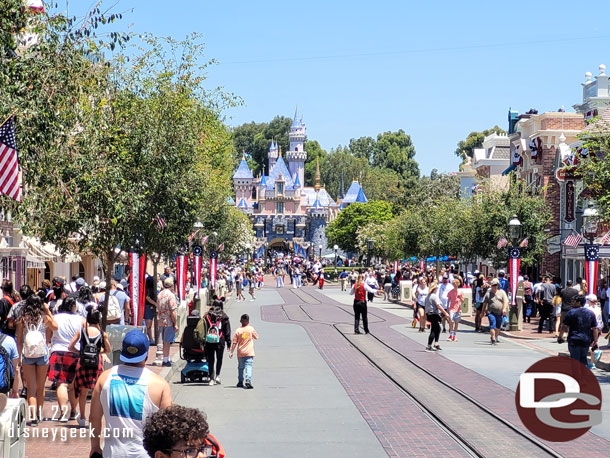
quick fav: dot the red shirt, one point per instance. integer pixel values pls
(360, 293)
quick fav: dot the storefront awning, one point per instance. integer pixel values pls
(43, 252)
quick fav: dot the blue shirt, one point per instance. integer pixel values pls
(10, 346)
(581, 322)
(503, 284)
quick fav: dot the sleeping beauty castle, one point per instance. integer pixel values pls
(287, 216)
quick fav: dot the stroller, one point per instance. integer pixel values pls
(196, 369)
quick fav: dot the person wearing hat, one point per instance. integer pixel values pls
(546, 293)
(166, 315)
(125, 396)
(495, 305)
(581, 325)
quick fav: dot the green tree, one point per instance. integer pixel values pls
(343, 230)
(363, 147)
(465, 148)
(314, 151)
(595, 168)
(395, 151)
(428, 190)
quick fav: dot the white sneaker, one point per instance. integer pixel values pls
(211, 382)
(82, 422)
(217, 380)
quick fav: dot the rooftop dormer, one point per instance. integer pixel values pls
(595, 94)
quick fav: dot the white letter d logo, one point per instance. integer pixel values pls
(527, 383)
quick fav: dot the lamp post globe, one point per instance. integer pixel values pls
(320, 249)
(590, 219)
(514, 229)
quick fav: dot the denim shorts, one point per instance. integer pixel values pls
(495, 320)
(40, 361)
(168, 334)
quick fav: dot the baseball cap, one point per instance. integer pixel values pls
(102, 285)
(80, 281)
(495, 282)
(591, 298)
(168, 282)
(135, 347)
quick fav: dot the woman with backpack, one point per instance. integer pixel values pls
(34, 320)
(217, 332)
(62, 365)
(93, 343)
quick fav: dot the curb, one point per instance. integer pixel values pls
(603, 365)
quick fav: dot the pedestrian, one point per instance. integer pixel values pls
(321, 279)
(373, 285)
(353, 276)
(251, 284)
(9, 367)
(150, 309)
(84, 298)
(495, 305)
(217, 332)
(178, 431)
(279, 276)
(9, 299)
(359, 291)
(528, 300)
(481, 288)
(62, 364)
(602, 295)
(455, 298)
(125, 396)
(546, 293)
(567, 302)
(240, 282)
(167, 318)
(434, 310)
(443, 292)
(592, 304)
(582, 329)
(343, 276)
(419, 304)
(243, 340)
(503, 281)
(89, 344)
(32, 324)
(387, 286)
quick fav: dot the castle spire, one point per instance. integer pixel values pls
(317, 180)
(341, 192)
(280, 152)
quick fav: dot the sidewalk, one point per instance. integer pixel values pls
(52, 439)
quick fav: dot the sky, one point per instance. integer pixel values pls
(437, 70)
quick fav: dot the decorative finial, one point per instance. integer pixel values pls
(562, 138)
(602, 70)
(243, 157)
(317, 180)
(280, 152)
(588, 76)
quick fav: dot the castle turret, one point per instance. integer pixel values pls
(272, 154)
(297, 155)
(242, 181)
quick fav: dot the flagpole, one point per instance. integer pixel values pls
(9, 117)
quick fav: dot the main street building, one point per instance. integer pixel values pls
(286, 215)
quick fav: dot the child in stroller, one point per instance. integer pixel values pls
(196, 369)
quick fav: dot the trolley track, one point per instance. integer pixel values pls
(443, 403)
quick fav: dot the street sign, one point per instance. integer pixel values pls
(553, 244)
(566, 173)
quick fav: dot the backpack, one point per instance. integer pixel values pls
(6, 303)
(7, 373)
(35, 345)
(245, 282)
(114, 309)
(89, 350)
(214, 331)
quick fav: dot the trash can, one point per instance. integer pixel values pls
(12, 426)
(406, 292)
(116, 334)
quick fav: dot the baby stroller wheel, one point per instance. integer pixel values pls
(182, 378)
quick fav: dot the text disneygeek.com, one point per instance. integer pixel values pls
(63, 434)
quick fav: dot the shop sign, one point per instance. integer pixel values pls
(570, 202)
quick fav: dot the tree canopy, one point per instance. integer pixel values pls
(465, 148)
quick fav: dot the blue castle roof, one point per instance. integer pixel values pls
(279, 169)
(243, 204)
(243, 171)
(297, 182)
(263, 181)
(355, 194)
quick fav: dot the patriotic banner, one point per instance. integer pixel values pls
(181, 270)
(422, 265)
(591, 266)
(515, 265)
(197, 252)
(395, 267)
(10, 173)
(137, 287)
(213, 268)
(516, 156)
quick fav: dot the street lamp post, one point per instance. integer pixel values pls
(590, 220)
(320, 249)
(369, 248)
(514, 255)
(336, 248)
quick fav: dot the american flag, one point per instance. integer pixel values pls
(204, 240)
(10, 178)
(221, 247)
(573, 240)
(160, 222)
(192, 236)
(524, 243)
(502, 243)
(605, 239)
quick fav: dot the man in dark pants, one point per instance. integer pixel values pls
(546, 292)
(582, 332)
(567, 298)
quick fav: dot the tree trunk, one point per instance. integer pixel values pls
(108, 268)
